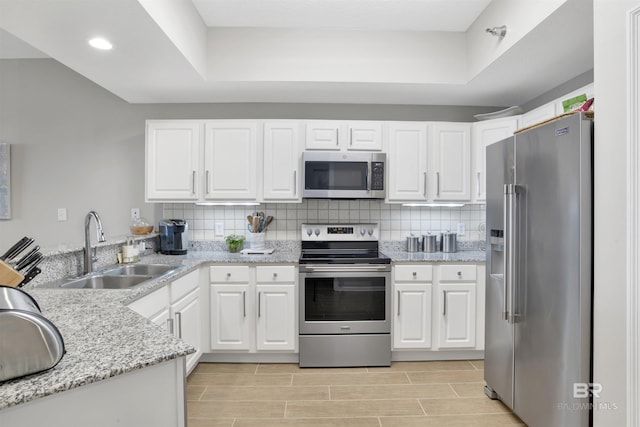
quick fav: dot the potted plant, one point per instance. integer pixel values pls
(234, 241)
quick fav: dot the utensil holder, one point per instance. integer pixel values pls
(257, 240)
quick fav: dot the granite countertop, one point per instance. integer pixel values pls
(103, 338)
(460, 256)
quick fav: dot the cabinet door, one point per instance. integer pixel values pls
(407, 159)
(276, 317)
(451, 143)
(231, 319)
(322, 135)
(186, 317)
(281, 161)
(485, 134)
(412, 325)
(540, 114)
(230, 162)
(364, 136)
(457, 307)
(172, 160)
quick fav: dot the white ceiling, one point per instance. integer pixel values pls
(425, 52)
(386, 15)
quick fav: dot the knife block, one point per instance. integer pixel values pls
(9, 276)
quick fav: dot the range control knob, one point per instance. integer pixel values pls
(362, 231)
(309, 231)
(317, 231)
(370, 231)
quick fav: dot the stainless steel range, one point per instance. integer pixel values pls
(345, 297)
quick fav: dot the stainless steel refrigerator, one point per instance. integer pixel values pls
(539, 273)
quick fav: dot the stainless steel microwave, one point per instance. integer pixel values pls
(343, 175)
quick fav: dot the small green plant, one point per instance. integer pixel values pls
(234, 241)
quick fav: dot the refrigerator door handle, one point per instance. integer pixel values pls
(510, 245)
(506, 203)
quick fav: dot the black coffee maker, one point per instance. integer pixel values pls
(174, 236)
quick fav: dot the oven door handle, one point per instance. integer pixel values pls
(344, 268)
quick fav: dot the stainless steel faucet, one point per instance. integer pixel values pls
(89, 257)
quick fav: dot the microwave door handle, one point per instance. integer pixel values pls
(367, 180)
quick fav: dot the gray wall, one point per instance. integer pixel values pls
(77, 146)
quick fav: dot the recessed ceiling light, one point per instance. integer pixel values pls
(100, 43)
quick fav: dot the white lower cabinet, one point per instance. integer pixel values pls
(457, 306)
(176, 307)
(438, 307)
(412, 306)
(253, 308)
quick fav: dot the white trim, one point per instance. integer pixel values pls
(633, 221)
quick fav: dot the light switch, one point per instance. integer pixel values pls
(219, 229)
(62, 214)
(460, 230)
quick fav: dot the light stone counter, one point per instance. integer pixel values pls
(103, 338)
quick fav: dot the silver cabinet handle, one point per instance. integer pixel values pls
(244, 303)
(295, 183)
(193, 182)
(206, 182)
(228, 276)
(425, 185)
(259, 308)
(351, 137)
(437, 183)
(444, 306)
(398, 303)
(415, 275)
(275, 276)
(170, 325)
(478, 182)
(179, 322)
(337, 137)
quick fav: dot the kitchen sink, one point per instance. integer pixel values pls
(104, 281)
(139, 269)
(119, 277)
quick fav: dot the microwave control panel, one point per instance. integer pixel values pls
(377, 176)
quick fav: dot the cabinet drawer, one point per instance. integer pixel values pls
(184, 285)
(457, 273)
(229, 274)
(411, 273)
(275, 274)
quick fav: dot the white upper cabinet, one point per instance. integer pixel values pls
(484, 134)
(407, 161)
(172, 160)
(365, 136)
(341, 135)
(322, 135)
(230, 160)
(451, 161)
(281, 161)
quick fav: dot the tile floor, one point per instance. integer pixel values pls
(438, 393)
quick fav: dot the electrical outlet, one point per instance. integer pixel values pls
(62, 214)
(460, 231)
(135, 213)
(219, 231)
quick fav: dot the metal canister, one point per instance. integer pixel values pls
(413, 243)
(449, 242)
(429, 243)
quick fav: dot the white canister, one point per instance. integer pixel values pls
(257, 240)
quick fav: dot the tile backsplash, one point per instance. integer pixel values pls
(396, 221)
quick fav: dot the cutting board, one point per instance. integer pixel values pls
(8, 276)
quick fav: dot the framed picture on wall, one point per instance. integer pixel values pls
(5, 181)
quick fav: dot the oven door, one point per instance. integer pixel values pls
(345, 299)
